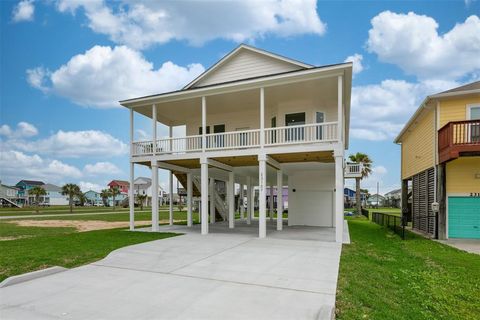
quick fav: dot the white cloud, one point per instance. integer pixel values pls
(142, 135)
(17, 165)
(23, 130)
(379, 111)
(77, 144)
(86, 186)
(142, 23)
(357, 62)
(23, 11)
(103, 75)
(412, 42)
(102, 168)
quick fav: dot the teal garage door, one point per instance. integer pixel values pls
(464, 217)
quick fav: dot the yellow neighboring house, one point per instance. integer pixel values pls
(441, 164)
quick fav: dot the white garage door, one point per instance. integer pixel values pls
(311, 208)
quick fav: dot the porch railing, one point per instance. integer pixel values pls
(353, 170)
(233, 140)
(316, 132)
(310, 133)
(458, 136)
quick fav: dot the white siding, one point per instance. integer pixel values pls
(246, 64)
(312, 202)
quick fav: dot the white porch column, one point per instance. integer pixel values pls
(262, 117)
(154, 129)
(262, 181)
(204, 123)
(270, 203)
(189, 199)
(249, 199)
(279, 200)
(204, 192)
(252, 207)
(170, 205)
(212, 200)
(240, 197)
(340, 109)
(131, 197)
(131, 202)
(154, 196)
(231, 199)
(339, 196)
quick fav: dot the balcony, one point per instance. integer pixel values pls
(248, 139)
(457, 138)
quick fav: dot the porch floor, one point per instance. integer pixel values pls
(251, 230)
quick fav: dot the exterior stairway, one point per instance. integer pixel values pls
(221, 211)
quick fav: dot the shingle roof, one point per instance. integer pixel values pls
(51, 187)
(32, 182)
(467, 87)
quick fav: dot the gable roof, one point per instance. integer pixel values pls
(31, 182)
(468, 89)
(122, 183)
(294, 65)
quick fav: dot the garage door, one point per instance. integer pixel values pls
(464, 217)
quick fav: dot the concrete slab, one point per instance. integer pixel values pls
(469, 245)
(218, 276)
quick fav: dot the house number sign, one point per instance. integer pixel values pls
(474, 194)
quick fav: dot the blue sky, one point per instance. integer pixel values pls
(64, 64)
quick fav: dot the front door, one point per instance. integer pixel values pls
(219, 140)
(295, 120)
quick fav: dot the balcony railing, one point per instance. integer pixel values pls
(458, 136)
(353, 170)
(303, 134)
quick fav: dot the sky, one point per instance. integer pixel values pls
(65, 64)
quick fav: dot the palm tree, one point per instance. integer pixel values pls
(141, 199)
(71, 190)
(37, 192)
(114, 192)
(82, 198)
(105, 194)
(363, 159)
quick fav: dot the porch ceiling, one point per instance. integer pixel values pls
(319, 156)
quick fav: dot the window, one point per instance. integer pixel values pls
(274, 133)
(473, 113)
(319, 118)
(294, 120)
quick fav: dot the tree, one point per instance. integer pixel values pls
(81, 198)
(71, 190)
(37, 192)
(363, 159)
(141, 200)
(105, 194)
(114, 192)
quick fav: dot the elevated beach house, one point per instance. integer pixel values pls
(254, 119)
(441, 164)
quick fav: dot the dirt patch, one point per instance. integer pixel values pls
(80, 225)
(13, 238)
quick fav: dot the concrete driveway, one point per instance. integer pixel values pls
(218, 276)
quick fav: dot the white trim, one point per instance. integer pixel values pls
(241, 85)
(453, 93)
(219, 165)
(232, 53)
(469, 109)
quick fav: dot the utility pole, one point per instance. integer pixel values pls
(378, 196)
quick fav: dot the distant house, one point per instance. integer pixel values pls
(143, 186)
(54, 196)
(93, 197)
(376, 200)
(122, 186)
(350, 198)
(23, 187)
(8, 195)
(393, 198)
(285, 197)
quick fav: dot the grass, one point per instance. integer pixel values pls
(384, 277)
(45, 247)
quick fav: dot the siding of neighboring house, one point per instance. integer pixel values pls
(454, 110)
(246, 64)
(418, 147)
(461, 175)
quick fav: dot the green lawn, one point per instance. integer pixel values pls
(384, 277)
(46, 247)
